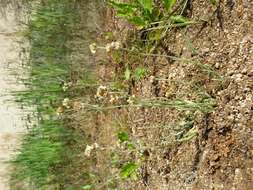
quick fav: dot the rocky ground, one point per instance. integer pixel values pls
(221, 156)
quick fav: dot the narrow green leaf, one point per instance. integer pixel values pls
(168, 4)
(123, 8)
(139, 73)
(128, 170)
(123, 136)
(137, 21)
(87, 187)
(127, 74)
(214, 2)
(147, 4)
(178, 19)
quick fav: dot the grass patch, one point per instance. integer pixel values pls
(49, 29)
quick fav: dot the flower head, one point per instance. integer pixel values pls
(66, 103)
(108, 47)
(93, 48)
(116, 45)
(152, 79)
(66, 86)
(102, 91)
(131, 100)
(90, 148)
(112, 45)
(59, 110)
(113, 99)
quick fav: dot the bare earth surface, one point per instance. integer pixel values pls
(10, 115)
(220, 157)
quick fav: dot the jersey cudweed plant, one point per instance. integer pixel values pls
(147, 13)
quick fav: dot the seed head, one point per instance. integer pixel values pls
(93, 48)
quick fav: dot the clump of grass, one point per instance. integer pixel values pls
(49, 29)
(40, 151)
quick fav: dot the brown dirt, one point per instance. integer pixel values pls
(220, 157)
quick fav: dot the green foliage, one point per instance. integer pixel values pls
(148, 14)
(139, 73)
(214, 2)
(39, 152)
(178, 19)
(138, 12)
(87, 187)
(123, 136)
(49, 29)
(129, 170)
(146, 4)
(189, 135)
(168, 4)
(127, 74)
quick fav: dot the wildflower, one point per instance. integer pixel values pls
(108, 47)
(102, 91)
(82, 105)
(59, 110)
(116, 45)
(66, 102)
(76, 105)
(113, 45)
(93, 48)
(66, 86)
(95, 145)
(113, 99)
(90, 148)
(152, 79)
(168, 94)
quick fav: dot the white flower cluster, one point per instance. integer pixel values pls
(113, 45)
(131, 100)
(114, 98)
(90, 148)
(152, 79)
(78, 105)
(66, 86)
(93, 48)
(102, 92)
(59, 110)
(66, 103)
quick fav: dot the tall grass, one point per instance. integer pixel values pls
(49, 30)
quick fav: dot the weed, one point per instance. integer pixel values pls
(145, 13)
(138, 12)
(129, 171)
